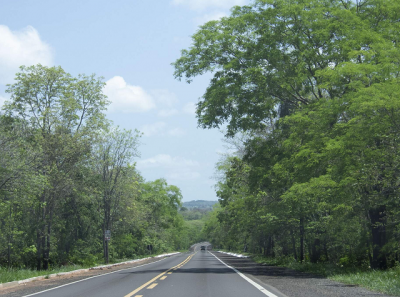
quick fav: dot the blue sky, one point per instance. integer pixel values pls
(131, 44)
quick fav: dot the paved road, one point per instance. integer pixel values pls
(193, 274)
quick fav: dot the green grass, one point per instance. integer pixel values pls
(382, 281)
(13, 274)
(387, 281)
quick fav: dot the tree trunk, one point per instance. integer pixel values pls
(326, 251)
(378, 219)
(270, 247)
(293, 245)
(301, 240)
(38, 250)
(48, 243)
(41, 232)
(315, 251)
(43, 240)
(10, 228)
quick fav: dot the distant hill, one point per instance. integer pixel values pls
(199, 204)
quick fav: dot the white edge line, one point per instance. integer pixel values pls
(261, 288)
(90, 278)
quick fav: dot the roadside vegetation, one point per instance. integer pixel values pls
(67, 175)
(308, 94)
(15, 274)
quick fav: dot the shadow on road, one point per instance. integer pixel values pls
(186, 270)
(248, 266)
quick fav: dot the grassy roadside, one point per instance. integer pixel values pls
(387, 281)
(15, 274)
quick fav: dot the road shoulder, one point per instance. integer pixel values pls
(292, 283)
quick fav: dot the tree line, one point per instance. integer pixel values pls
(67, 175)
(308, 93)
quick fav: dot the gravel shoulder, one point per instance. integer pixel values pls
(45, 284)
(293, 283)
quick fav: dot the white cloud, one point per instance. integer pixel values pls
(173, 168)
(176, 132)
(164, 97)
(183, 175)
(127, 98)
(164, 160)
(153, 129)
(203, 4)
(209, 17)
(190, 108)
(167, 112)
(159, 128)
(23, 47)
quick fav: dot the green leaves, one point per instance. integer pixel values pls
(67, 175)
(315, 85)
(49, 98)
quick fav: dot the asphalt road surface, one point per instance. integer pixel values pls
(194, 274)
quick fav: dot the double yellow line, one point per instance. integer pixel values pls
(169, 271)
(182, 263)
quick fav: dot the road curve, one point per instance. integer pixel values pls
(194, 274)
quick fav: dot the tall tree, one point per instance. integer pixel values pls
(114, 152)
(67, 112)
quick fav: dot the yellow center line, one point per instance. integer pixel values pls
(155, 278)
(152, 286)
(163, 278)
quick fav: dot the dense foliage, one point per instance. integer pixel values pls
(313, 87)
(195, 214)
(67, 175)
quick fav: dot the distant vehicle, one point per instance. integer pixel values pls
(203, 248)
